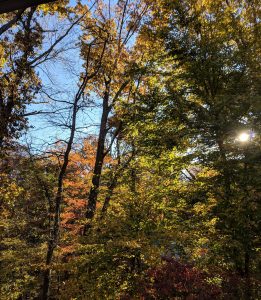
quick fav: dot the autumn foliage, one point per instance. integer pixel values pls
(130, 150)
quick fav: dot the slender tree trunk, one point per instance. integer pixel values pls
(54, 232)
(53, 239)
(92, 199)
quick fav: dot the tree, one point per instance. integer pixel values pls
(24, 223)
(22, 38)
(114, 76)
(87, 75)
(162, 200)
(211, 89)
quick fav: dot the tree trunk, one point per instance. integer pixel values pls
(54, 232)
(92, 199)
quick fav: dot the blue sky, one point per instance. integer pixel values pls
(59, 78)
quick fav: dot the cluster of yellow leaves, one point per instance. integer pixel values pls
(58, 7)
(9, 193)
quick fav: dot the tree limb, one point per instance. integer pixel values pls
(10, 23)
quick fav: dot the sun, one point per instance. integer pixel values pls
(244, 137)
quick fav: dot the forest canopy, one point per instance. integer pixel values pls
(130, 150)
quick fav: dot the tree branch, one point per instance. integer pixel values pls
(9, 24)
(47, 52)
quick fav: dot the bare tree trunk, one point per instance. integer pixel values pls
(54, 232)
(121, 41)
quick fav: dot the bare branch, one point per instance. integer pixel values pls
(48, 51)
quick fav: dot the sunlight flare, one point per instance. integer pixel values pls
(244, 137)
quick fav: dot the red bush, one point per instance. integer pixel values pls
(175, 279)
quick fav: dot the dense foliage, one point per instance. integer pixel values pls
(162, 199)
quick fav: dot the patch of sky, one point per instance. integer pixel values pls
(51, 110)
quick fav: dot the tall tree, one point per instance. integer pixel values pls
(87, 75)
(212, 90)
(118, 25)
